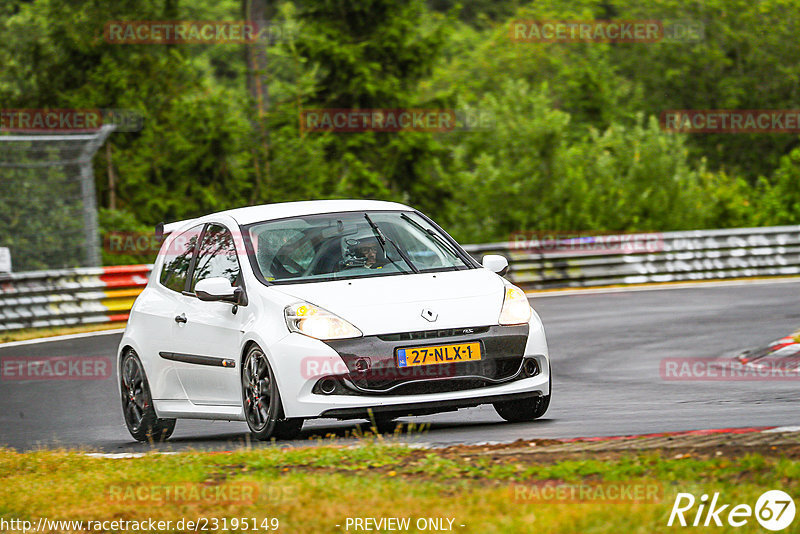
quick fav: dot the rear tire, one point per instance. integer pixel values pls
(137, 403)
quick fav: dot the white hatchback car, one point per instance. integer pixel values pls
(325, 309)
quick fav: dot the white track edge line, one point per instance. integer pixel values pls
(65, 337)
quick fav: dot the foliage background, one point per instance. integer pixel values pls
(575, 145)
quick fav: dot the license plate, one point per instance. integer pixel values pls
(438, 354)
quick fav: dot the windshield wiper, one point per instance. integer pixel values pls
(439, 239)
(382, 240)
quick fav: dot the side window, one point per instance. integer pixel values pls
(216, 256)
(178, 257)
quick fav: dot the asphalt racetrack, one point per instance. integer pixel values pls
(606, 350)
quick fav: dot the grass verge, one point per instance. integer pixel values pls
(317, 489)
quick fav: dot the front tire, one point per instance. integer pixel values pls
(526, 410)
(288, 428)
(137, 403)
(523, 410)
(262, 401)
(382, 423)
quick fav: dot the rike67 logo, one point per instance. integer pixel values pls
(774, 510)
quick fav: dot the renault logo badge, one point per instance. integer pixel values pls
(429, 314)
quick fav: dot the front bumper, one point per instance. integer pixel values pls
(502, 350)
(421, 394)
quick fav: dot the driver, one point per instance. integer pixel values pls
(371, 250)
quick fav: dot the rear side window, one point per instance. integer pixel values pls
(178, 257)
(216, 256)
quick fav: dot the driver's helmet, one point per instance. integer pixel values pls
(360, 248)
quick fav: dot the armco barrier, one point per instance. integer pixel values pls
(69, 297)
(103, 294)
(692, 255)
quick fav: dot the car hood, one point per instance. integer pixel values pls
(392, 304)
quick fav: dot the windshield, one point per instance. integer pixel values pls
(335, 246)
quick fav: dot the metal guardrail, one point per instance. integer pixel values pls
(648, 258)
(103, 294)
(65, 297)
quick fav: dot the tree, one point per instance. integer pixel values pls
(374, 54)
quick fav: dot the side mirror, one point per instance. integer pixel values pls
(215, 289)
(495, 263)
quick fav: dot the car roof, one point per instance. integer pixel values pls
(266, 212)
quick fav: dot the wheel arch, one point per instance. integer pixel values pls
(249, 344)
(124, 348)
(255, 341)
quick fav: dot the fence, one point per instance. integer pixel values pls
(48, 209)
(94, 295)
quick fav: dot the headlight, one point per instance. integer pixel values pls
(318, 323)
(516, 309)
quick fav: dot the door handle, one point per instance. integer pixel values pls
(180, 318)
